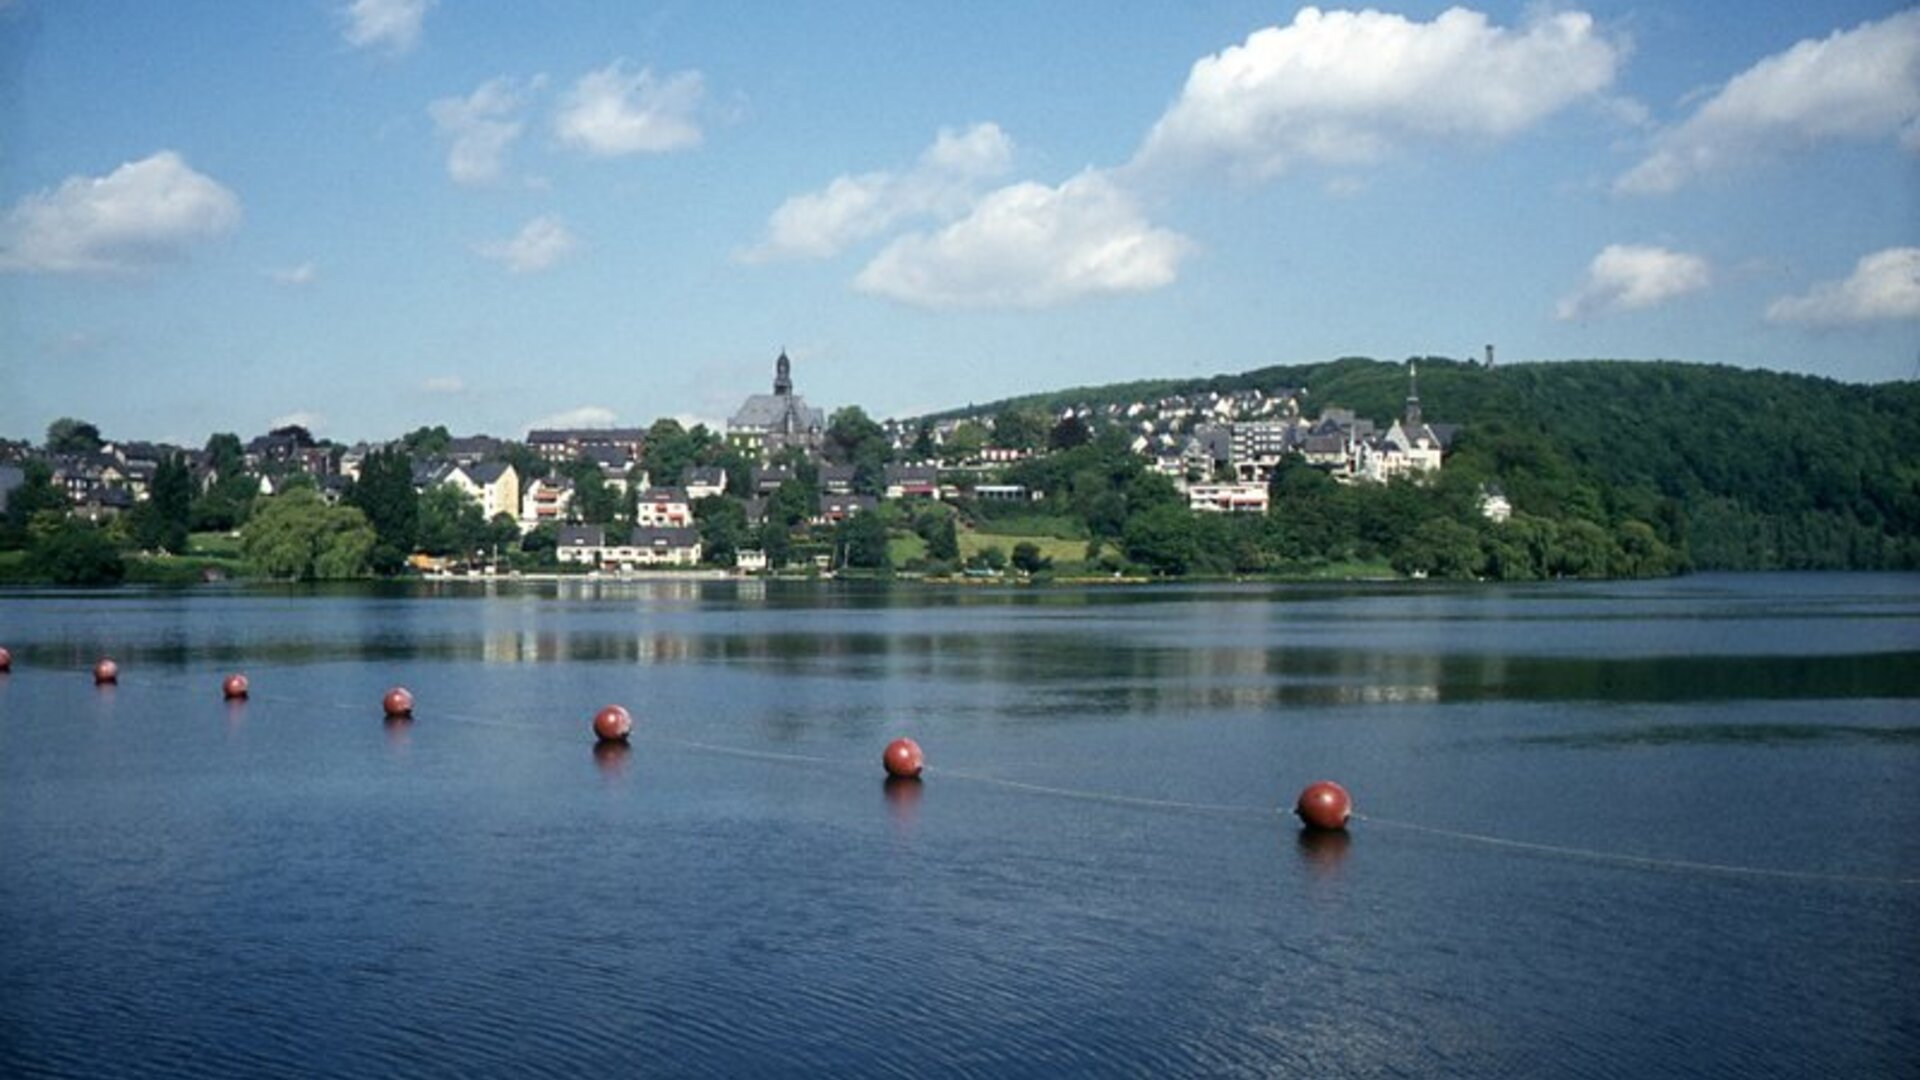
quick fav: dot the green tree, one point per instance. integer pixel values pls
(69, 436)
(163, 521)
(75, 553)
(35, 495)
(384, 494)
(297, 535)
(1440, 547)
(862, 539)
(595, 502)
(723, 528)
(1162, 538)
(427, 442)
(1070, 432)
(1027, 558)
(225, 454)
(942, 537)
(1020, 429)
(451, 523)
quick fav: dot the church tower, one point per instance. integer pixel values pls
(1413, 396)
(783, 376)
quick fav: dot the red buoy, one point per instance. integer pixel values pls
(903, 758)
(1324, 805)
(613, 724)
(105, 672)
(234, 687)
(6, 661)
(398, 703)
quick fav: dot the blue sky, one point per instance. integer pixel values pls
(370, 215)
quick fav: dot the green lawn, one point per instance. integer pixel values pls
(1052, 547)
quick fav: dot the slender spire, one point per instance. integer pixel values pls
(783, 375)
(1413, 395)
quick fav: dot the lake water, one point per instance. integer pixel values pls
(1611, 830)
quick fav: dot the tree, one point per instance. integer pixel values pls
(69, 436)
(427, 442)
(1019, 429)
(297, 535)
(35, 495)
(1162, 538)
(227, 499)
(942, 537)
(723, 528)
(1440, 547)
(594, 501)
(1027, 558)
(384, 494)
(74, 553)
(863, 540)
(1070, 432)
(163, 521)
(451, 523)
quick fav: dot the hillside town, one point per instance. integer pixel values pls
(626, 498)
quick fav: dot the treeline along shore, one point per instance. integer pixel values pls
(1431, 468)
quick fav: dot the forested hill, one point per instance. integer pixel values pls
(1749, 469)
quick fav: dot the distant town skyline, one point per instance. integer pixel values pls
(367, 216)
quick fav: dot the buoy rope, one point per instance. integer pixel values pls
(1113, 798)
(1647, 861)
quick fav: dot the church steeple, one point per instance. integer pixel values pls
(783, 375)
(1413, 395)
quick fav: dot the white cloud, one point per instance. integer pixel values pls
(538, 245)
(480, 128)
(301, 418)
(1345, 88)
(1859, 84)
(294, 276)
(443, 384)
(1883, 286)
(1630, 277)
(393, 25)
(1030, 246)
(820, 224)
(586, 416)
(142, 214)
(612, 112)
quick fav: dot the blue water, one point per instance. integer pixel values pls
(1609, 830)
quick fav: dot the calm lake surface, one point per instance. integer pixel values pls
(1610, 830)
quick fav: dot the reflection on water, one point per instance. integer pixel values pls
(1094, 880)
(612, 756)
(1323, 850)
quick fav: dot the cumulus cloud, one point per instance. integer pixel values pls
(142, 214)
(294, 276)
(302, 418)
(480, 128)
(1860, 84)
(820, 224)
(586, 416)
(1345, 88)
(1629, 277)
(541, 243)
(1029, 245)
(613, 112)
(1884, 286)
(393, 25)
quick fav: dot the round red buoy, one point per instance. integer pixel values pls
(613, 724)
(234, 687)
(1324, 805)
(903, 758)
(106, 671)
(6, 661)
(398, 703)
